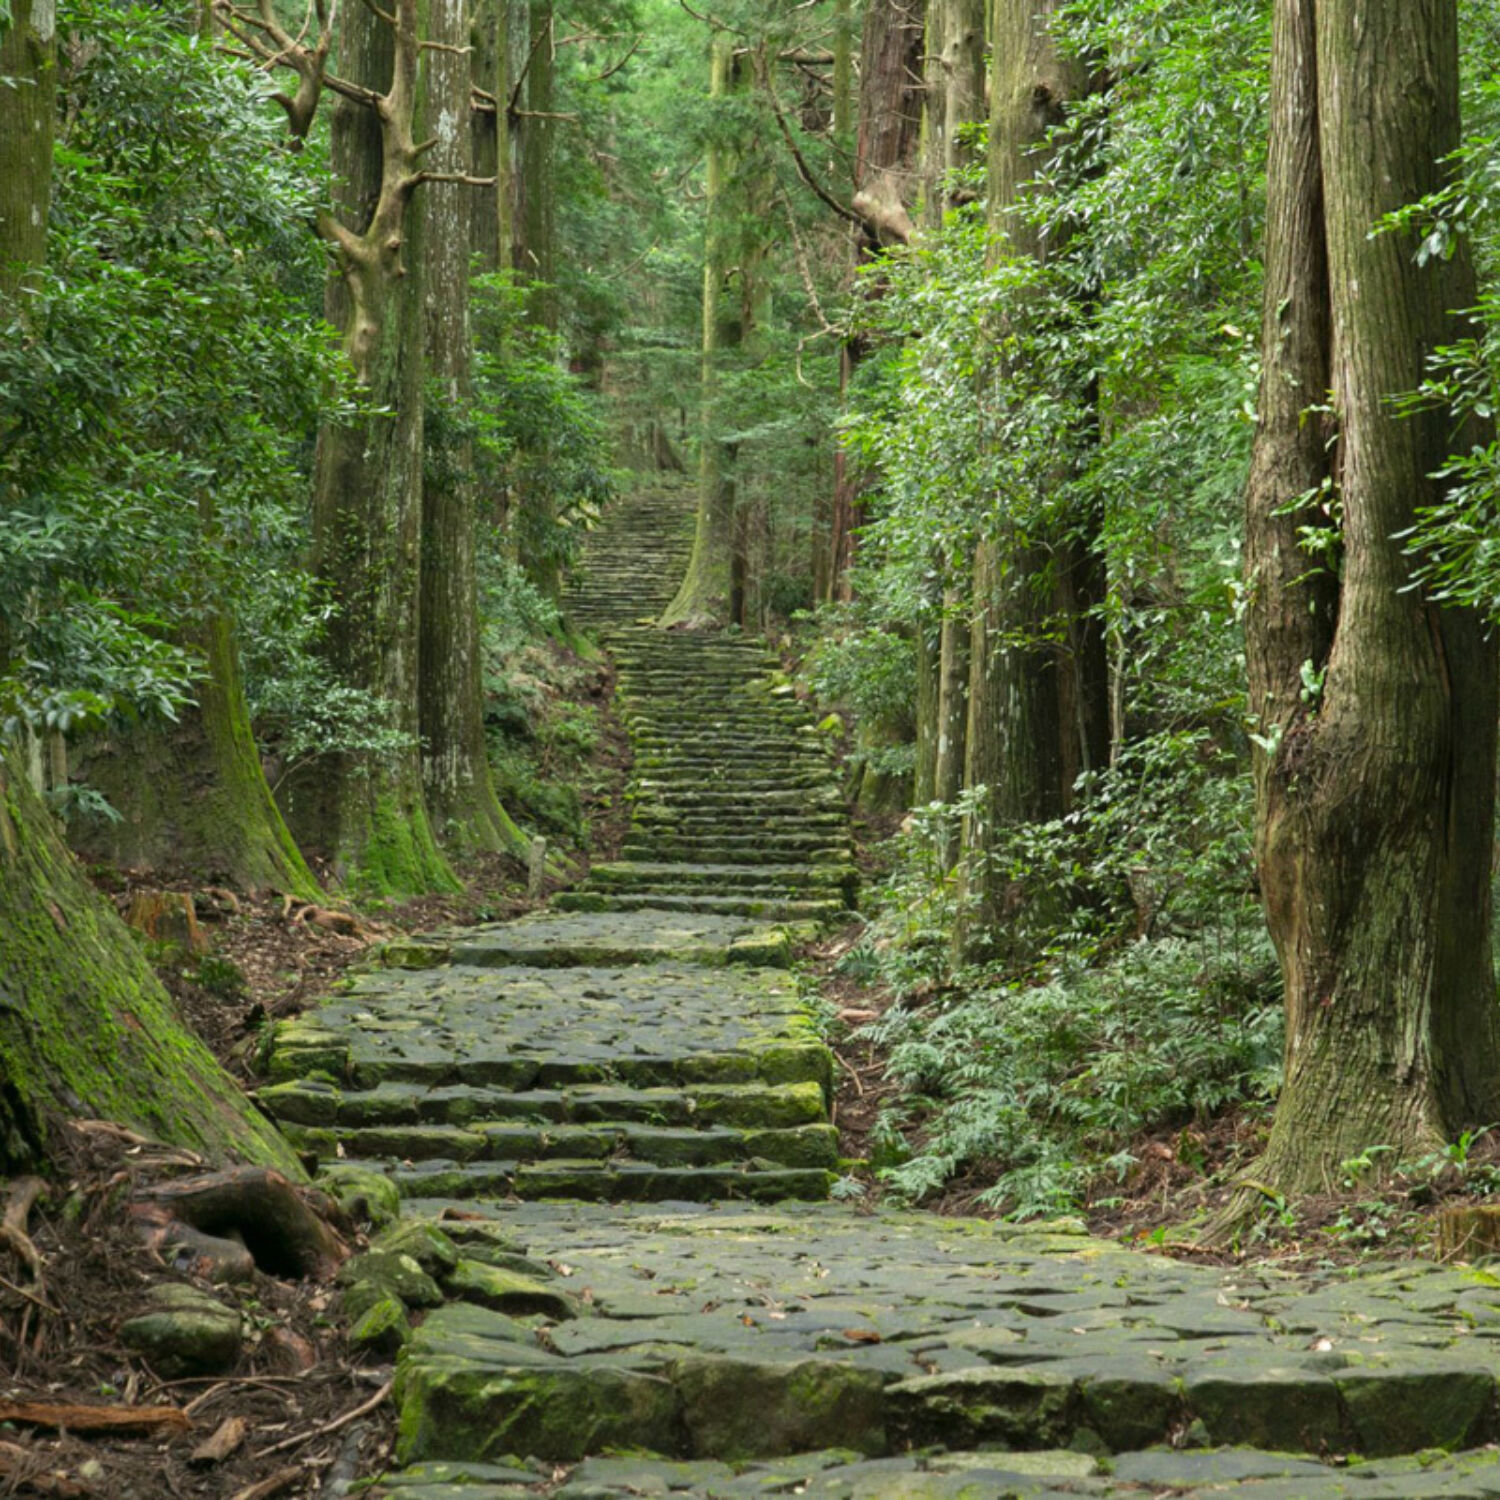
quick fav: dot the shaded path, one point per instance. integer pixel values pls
(615, 1113)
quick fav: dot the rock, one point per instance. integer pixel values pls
(739, 1409)
(383, 1328)
(550, 1411)
(184, 1332)
(403, 953)
(426, 1244)
(379, 1273)
(367, 1196)
(509, 1292)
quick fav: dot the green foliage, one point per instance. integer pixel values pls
(541, 451)
(1035, 1088)
(158, 385)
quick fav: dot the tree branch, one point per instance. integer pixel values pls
(635, 47)
(515, 93)
(803, 170)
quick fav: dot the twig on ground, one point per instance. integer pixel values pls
(338, 1422)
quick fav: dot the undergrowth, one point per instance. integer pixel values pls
(1151, 1000)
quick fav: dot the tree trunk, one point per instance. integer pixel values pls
(486, 36)
(1376, 783)
(1015, 748)
(367, 811)
(28, 55)
(460, 794)
(890, 121)
(537, 258)
(705, 597)
(85, 1027)
(193, 795)
(955, 99)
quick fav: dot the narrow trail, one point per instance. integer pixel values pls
(609, 1127)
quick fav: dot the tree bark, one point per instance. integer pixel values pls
(1014, 748)
(85, 1027)
(705, 597)
(460, 794)
(28, 54)
(367, 811)
(1376, 783)
(890, 130)
(193, 795)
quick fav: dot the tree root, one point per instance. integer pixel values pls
(247, 1218)
(13, 1236)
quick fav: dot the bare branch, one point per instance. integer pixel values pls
(712, 21)
(635, 47)
(541, 114)
(515, 93)
(444, 47)
(382, 15)
(803, 170)
(460, 177)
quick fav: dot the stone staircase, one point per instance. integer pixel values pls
(634, 560)
(642, 1041)
(616, 1272)
(736, 810)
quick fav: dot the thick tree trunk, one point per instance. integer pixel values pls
(461, 796)
(705, 597)
(85, 1027)
(28, 55)
(367, 812)
(1376, 798)
(193, 795)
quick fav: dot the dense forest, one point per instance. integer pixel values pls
(1092, 400)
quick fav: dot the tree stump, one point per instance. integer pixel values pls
(167, 917)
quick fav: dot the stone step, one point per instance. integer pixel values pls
(792, 911)
(633, 875)
(593, 1182)
(307, 1103)
(748, 850)
(747, 1335)
(554, 940)
(612, 1143)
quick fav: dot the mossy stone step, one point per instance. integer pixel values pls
(606, 1183)
(556, 940)
(796, 911)
(616, 1142)
(751, 1106)
(633, 875)
(743, 1335)
(771, 850)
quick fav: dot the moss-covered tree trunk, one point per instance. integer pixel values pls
(192, 795)
(704, 599)
(85, 1027)
(460, 794)
(1376, 794)
(28, 103)
(366, 811)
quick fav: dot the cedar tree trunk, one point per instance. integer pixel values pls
(1375, 805)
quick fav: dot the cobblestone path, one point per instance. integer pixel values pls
(617, 1270)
